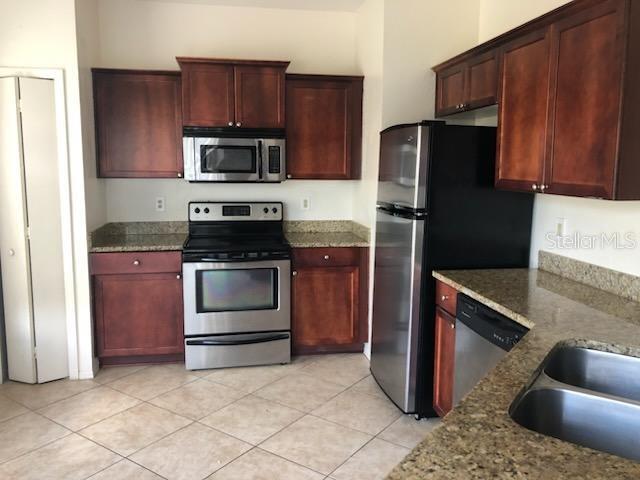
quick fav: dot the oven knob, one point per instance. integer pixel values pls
(197, 210)
(265, 210)
(206, 210)
(274, 210)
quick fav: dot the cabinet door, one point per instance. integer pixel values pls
(481, 84)
(324, 127)
(207, 94)
(325, 307)
(450, 90)
(445, 337)
(138, 123)
(522, 114)
(588, 51)
(259, 97)
(138, 314)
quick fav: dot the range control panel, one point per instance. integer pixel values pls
(235, 211)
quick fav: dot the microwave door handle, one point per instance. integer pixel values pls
(260, 159)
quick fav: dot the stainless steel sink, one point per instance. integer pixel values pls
(604, 372)
(587, 397)
(592, 421)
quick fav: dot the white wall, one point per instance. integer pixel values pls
(88, 55)
(133, 199)
(150, 34)
(369, 48)
(48, 40)
(419, 34)
(583, 216)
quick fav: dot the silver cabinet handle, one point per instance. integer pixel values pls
(294, 273)
(444, 298)
(230, 124)
(289, 175)
(12, 252)
(543, 188)
(534, 186)
(238, 124)
(453, 325)
(326, 257)
(179, 174)
(136, 262)
(178, 276)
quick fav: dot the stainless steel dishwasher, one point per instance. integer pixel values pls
(483, 338)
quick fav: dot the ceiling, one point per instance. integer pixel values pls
(329, 5)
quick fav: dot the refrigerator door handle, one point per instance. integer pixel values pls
(398, 210)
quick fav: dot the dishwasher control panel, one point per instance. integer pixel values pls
(493, 326)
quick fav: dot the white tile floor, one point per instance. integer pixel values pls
(321, 417)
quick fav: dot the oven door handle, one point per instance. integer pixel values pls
(246, 341)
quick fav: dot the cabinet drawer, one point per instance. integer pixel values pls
(446, 297)
(331, 257)
(135, 262)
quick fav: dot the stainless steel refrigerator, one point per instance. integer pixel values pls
(437, 208)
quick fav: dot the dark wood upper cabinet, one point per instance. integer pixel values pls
(569, 101)
(260, 96)
(450, 90)
(481, 88)
(208, 98)
(138, 121)
(588, 62)
(233, 93)
(329, 293)
(522, 116)
(324, 126)
(467, 84)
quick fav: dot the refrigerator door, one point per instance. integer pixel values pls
(396, 306)
(403, 166)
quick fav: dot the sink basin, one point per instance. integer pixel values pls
(587, 397)
(604, 372)
(593, 421)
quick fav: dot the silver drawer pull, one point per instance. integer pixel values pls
(444, 298)
(136, 262)
(326, 257)
(178, 276)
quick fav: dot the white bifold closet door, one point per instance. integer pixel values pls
(30, 232)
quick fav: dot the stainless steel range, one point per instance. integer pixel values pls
(237, 281)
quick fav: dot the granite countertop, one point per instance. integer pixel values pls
(478, 439)
(138, 237)
(162, 236)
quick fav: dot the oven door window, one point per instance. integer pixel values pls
(236, 290)
(228, 159)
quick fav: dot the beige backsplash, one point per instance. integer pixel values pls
(618, 283)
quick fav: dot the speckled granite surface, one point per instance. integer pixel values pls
(138, 237)
(159, 236)
(619, 283)
(478, 439)
(326, 233)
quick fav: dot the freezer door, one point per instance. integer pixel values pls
(396, 307)
(403, 166)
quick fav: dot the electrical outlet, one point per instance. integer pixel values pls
(159, 204)
(305, 204)
(561, 227)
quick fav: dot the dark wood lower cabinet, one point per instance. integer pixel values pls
(445, 337)
(329, 299)
(138, 307)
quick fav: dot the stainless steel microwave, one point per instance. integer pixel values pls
(219, 156)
